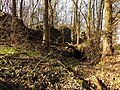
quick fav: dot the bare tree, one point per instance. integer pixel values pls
(1, 7)
(76, 26)
(14, 8)
(46, 31)
(13, 27)
(89, 20)
(99, 21)
(21, 8)
(51, 12)
(107, 39)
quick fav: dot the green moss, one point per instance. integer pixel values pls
(80, 81)
(33, 53)
(7, 50)
(18, 52)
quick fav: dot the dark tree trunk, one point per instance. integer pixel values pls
(46, 31)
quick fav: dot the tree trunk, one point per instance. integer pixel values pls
(99, 19)
(89, 20)
(93, 17)
(1, 5)
(76, 27)
(21, 11)
(107, 38)
(52, 13)
(14, 8)
(46, 31)
(13, 25)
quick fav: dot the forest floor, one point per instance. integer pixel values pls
(108, 71)
(31, 70)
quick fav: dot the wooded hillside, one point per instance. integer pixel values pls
(59, 44)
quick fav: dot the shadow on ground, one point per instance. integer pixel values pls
(10, 86)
